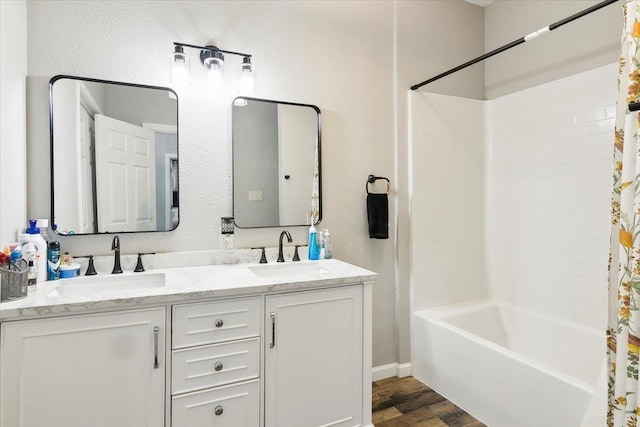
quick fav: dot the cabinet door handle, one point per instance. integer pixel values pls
(218, 366)
(219, 410)
(273, 330)
(156, 334)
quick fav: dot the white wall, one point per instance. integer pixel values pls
(510, 197)
(431, 37)
(13, 71)
(68, 151)
(336, 55)
(140, 106)
(548, 195)
(297, 139)
(342, 56)
(581, 45)
(447, 200)
(256, 147)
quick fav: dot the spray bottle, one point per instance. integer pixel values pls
(53, 261)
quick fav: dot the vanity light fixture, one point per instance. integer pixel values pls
(212, 59)
(180, 68)
(247, 77)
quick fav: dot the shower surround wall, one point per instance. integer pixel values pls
(548, 195)
(447, 199)
(510, 197)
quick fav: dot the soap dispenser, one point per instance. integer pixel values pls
(314, 249)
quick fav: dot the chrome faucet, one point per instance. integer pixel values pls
(284, 233)
(115, 246)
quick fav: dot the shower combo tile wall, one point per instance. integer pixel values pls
(548, 195)
(447, 200)
(510, 197)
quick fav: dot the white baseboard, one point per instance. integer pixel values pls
(399, 370)
(404, 370)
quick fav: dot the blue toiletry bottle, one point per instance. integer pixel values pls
(314, 249)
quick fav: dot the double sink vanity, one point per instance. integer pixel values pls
(247, 344)
(212, 339)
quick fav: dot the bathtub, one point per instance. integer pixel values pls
(507, 367)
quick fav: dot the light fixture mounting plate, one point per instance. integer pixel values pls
(211, 52)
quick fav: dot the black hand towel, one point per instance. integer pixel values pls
(378, 215)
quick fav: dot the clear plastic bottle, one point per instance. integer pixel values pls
(326, 243)
(43, 225)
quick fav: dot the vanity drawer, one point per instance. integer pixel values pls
(228, 406)
(214, 365)
(218, 321)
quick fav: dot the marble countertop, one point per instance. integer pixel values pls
(180, 284)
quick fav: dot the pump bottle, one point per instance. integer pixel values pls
(326, 239)
(314, 249)
(33, 236)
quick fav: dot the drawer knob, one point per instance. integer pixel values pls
(219, 323)
(219, 410)
(218, 366)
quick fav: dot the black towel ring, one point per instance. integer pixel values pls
(371, 179)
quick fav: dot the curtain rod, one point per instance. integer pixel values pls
(515, 43)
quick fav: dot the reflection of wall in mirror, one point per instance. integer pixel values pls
(165, 155)
(73, 153)
(255, 154)
(140, 105)
(296, 138)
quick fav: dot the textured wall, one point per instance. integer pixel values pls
(336, 55)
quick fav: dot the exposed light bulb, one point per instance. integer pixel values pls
(213, 61)
(180, 69)
(214, 76)
(247, 77)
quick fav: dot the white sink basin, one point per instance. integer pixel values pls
(293, 271)
(108, 283)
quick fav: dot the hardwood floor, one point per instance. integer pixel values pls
(406, 402)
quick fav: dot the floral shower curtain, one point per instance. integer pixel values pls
(623, 330)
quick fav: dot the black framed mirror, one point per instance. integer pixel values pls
(114, 157)
(277, 178)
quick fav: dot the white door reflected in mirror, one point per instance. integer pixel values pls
(114, 157)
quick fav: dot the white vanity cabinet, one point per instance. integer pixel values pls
(314, 358)
(282, 353)
(98, 370)
(216, 363)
